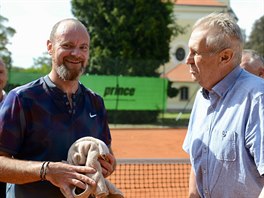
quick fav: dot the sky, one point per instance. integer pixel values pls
(33, 20)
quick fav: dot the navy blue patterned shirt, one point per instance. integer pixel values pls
(38, 123)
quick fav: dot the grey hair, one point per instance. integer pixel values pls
(254, 55)
(225, 33)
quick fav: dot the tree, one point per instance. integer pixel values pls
(5, 34)
(256, 38)
(42, 64)
(129, 37)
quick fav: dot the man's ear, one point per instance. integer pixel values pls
(226, 55)
(49, 47)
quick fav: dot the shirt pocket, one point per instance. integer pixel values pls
(225, 145)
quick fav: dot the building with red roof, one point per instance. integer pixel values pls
(186, 13)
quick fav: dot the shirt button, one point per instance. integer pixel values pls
(204, 149)
(204, 171)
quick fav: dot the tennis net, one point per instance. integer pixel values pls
(152, 178)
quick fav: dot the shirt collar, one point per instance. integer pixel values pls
(222, 87)
(55, 89)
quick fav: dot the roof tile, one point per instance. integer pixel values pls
(200, 2)
(180, 73)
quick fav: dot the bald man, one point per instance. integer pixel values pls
(39, 122)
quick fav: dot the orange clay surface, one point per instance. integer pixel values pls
(148, 143)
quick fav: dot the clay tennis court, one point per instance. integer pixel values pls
(154, 173)
(148, 143)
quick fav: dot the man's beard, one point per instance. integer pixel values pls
(66, 74)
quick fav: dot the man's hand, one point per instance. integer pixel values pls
(66, 176)
(108, 164)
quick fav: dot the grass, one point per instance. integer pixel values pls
(174, 119)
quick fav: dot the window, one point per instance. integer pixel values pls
(184, 93)
(180, 54)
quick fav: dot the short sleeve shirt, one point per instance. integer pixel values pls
(38, 123)
(225, 137)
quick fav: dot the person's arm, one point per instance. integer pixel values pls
(193, 192)
(60, 174)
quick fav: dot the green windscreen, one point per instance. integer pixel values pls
(22, 78)
(129, 93)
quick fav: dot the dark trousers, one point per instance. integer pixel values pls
(2, 190)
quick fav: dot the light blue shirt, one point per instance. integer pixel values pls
(225, 138)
